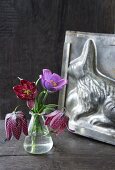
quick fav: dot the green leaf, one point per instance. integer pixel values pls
(51, 105)
(40, 97)
(38, 101)
(48, 110)
(42, 109)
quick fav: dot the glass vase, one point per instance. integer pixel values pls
(38, 140)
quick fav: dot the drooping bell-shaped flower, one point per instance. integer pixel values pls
(15, 124)
(52, 81)
(57, 121)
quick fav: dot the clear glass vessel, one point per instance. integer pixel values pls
(38, 140)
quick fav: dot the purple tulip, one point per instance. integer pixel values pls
(15, 123)
(57, 121)
(52, 82)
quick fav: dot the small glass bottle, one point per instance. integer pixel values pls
(39, 140)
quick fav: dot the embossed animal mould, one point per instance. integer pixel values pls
(91, 99)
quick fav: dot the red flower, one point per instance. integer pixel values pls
(15, 123)
(26, 91)
(57, 121)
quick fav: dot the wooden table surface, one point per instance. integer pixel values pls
(70, 152)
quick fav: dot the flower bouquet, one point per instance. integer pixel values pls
(43, 116)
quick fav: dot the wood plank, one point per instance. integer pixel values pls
(91, 16)
(69, 152)
(60, 163)
(65, 144)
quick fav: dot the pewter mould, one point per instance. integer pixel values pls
(89, 65)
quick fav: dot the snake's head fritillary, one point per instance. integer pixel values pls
(15, 124)
(57, 121)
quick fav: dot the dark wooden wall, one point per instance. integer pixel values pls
(32, 36)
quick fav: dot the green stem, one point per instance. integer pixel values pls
(33, 144)
(37, 81)
(36, 106)
(45, 97)
(16, 108)
(33, 136)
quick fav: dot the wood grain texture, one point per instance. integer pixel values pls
(32, 34)
(69, 152)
